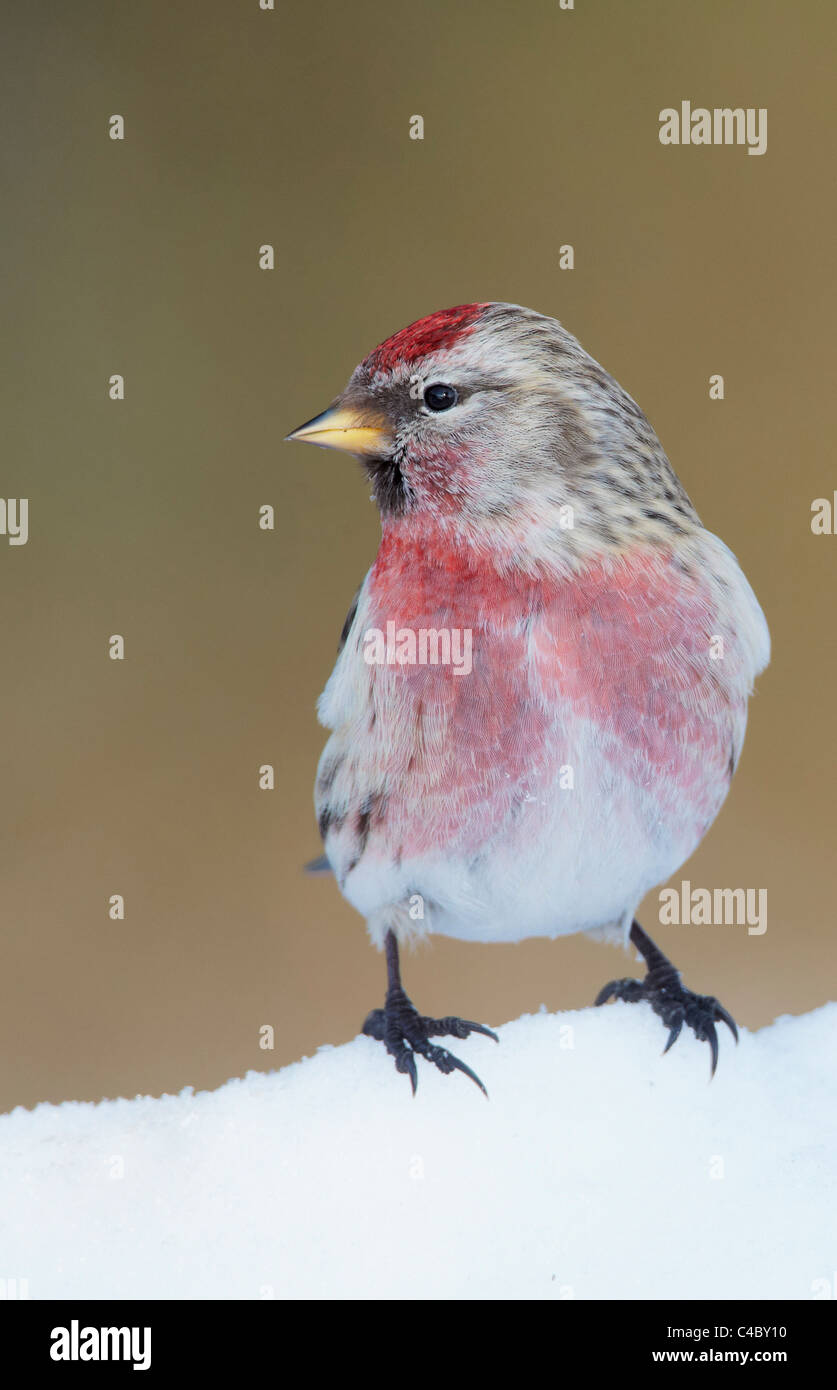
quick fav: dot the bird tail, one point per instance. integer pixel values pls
(318, 867)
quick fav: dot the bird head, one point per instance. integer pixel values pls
(492, 420)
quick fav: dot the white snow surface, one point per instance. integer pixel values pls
(598, 1169)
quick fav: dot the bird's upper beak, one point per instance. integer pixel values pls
(348, 427)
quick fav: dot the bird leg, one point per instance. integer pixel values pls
(669, 998)
(405, 1032)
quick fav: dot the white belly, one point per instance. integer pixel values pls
(573, 859)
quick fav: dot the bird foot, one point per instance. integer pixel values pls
(406, 1033)
(669, 998)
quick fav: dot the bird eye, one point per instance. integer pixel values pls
(440, 397)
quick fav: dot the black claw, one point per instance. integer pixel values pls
(663, 989)
(455, 1028)
(447, 1062)
(406, 1062)
(466, 1071)
(711, 1036)
(724, 1017)
(629, 990)
(405, 1033)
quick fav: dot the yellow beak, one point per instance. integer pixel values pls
(345, 427)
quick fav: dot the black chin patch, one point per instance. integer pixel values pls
(388, 486)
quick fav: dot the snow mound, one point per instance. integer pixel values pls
(598, 1169)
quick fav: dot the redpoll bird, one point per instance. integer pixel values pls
(541, 692)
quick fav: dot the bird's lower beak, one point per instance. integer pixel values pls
(347, 427)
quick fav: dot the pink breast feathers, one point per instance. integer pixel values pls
(533, 665)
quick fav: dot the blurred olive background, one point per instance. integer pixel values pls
(246, 127)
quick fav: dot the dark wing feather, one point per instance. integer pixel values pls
(347, 626)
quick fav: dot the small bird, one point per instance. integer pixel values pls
(541, 690)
